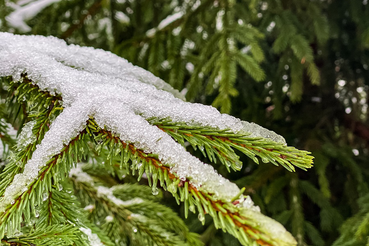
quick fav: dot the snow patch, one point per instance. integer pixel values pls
(18, 18)
(122, 17)
(92, 237)
(164, 23)
(170, 19)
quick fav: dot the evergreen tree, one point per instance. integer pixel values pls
(299, 67)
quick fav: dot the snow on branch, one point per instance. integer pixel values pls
(18, 18)
(164, 23)
(62, 130)
(117, 99)
(93, 239)
(122, 99)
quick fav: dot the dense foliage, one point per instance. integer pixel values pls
(298, 67)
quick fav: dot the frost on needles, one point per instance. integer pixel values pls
(83, 99)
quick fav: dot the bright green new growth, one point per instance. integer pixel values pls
(46, 212)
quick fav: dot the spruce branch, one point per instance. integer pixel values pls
(117, 123)
(294, 44)
(54, 235)
(41, 116)
(133, 216)
(33, 194)
(221, 144)
(59, 207)
(189, 10)
(155, 211)
(221, 60)
(220, 52)
(244, 225)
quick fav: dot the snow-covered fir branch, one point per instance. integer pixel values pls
(120, 100)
